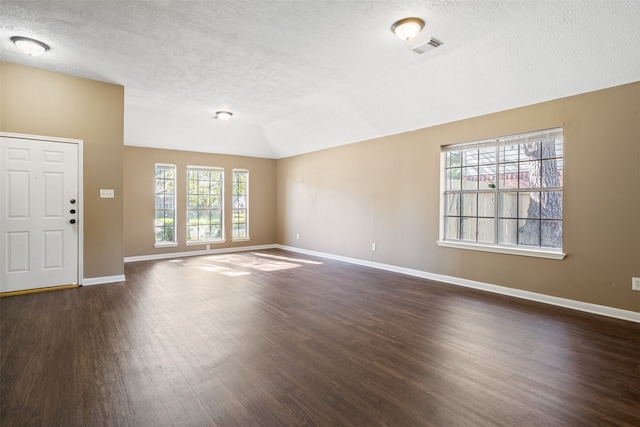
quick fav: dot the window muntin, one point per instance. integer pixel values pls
(240, 204)
(204, 204)
(165, 201)
(505, 192)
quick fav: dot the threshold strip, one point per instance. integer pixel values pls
(37, 290)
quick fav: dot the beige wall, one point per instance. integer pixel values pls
(386, 191)
(343, 199)
(39, 102)
(139, 177)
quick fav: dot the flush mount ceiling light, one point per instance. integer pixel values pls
(29, 46)
(407, 28)
(223, 115)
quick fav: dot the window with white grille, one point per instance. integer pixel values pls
(205, 204)
(505, 194)
(240, 208)
(165, 201)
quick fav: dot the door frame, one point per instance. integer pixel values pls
(79, 143)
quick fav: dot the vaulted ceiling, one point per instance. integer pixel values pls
(302, 75)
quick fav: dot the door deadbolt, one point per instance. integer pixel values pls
(72, 201)
(72, 211)
(73, 221)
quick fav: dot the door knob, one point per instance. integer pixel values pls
(73, 221)
(72, 211)
(72, 201)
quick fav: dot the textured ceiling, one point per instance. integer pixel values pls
(300, 76)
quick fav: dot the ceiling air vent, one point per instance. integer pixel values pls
(427, 46)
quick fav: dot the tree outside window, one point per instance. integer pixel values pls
(240, 209)
(505, 192)
(165, 196)
(204, 204)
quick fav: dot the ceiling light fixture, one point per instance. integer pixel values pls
(29, 46)
(223, 115)
(407, 28)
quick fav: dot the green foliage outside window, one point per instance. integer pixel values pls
(204, 204)
(165, 192)
(240, 201)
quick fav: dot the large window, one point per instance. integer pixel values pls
(165, 201)
(240, 210)
(505, 194)
(204, 204)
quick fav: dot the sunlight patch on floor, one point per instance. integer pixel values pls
(234, 273)
(303, 261)
(253, 261)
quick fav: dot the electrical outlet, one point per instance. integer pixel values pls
(635, 283)
(297, 236)
(373, 247)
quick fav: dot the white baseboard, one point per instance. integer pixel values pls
(197, 253)
(101, 280)
(602, 310)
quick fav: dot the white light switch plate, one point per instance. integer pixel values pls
(106, 193)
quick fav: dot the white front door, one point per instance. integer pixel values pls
(39, 221)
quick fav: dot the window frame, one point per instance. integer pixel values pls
(496, 246)
(221, 239)
(234, 209)
(174, 242)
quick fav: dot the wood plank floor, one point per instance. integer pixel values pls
(273, 338)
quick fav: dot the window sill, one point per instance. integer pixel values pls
(204, 242)
(244, 239)
(165, 245)
(539, 253)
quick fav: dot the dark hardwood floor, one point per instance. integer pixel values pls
(274, 338)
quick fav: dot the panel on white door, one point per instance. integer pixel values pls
(53, 195)
(17, 201)
(38, 232)
(53, 156)
(17, 250)
(52, 249)
(17, 154)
